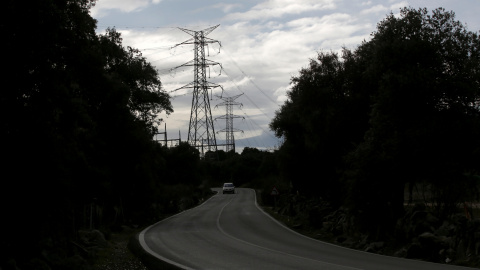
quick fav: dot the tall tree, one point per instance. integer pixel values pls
(424, 118)
(325, 116)
(402, 107)
(77, 112)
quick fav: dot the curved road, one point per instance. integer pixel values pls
(232, 232)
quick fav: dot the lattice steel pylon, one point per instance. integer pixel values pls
(201, 132)
(229, 116)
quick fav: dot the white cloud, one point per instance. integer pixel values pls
(279, 8)
(227, 7)
(235, 83)
(281, 93)
(264, 44)
(102, 6)
(272, 52)
(384, 10)
(395, 8)
(375, 10)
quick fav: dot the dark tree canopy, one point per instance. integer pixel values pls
(77, 114)
(325, 116)
(402, 107)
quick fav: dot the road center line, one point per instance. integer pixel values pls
(268, 249)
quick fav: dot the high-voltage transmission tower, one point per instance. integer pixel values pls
(201, 133)
(228, 102)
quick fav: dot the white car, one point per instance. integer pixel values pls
(228, 188)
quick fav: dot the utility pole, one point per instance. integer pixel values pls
(201, 133)
(229, 130)
(166, 141)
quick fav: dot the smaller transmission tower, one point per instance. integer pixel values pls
(229, 130)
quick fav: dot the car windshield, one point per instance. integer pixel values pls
(228, 185)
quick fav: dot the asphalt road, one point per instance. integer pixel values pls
(231, 232)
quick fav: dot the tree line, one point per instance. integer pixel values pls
(363, 124)
(79, 112)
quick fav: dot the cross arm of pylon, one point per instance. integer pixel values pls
(189, 41)
(213, 85)
(187, 64)
(208, 30)
(211, 63)
(208, 85)
(205, 31)
(229, 116)
(228, 103)
(233, 130)
(191, 63)
(209, 40)
(190, 85)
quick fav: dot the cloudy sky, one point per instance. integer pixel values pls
(263, 44)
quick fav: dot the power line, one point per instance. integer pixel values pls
(251, 101)
(200, 86)
(259, 126)
(254, 84)
(229, 116)
(156, 60)
(201, 132)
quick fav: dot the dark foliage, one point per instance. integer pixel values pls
(323, 120)
(401, 108)
(252, 167)
(78, 112)
(78, 115)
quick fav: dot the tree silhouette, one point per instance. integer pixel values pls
(400, 108)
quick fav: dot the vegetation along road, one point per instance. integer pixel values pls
(242, 236)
